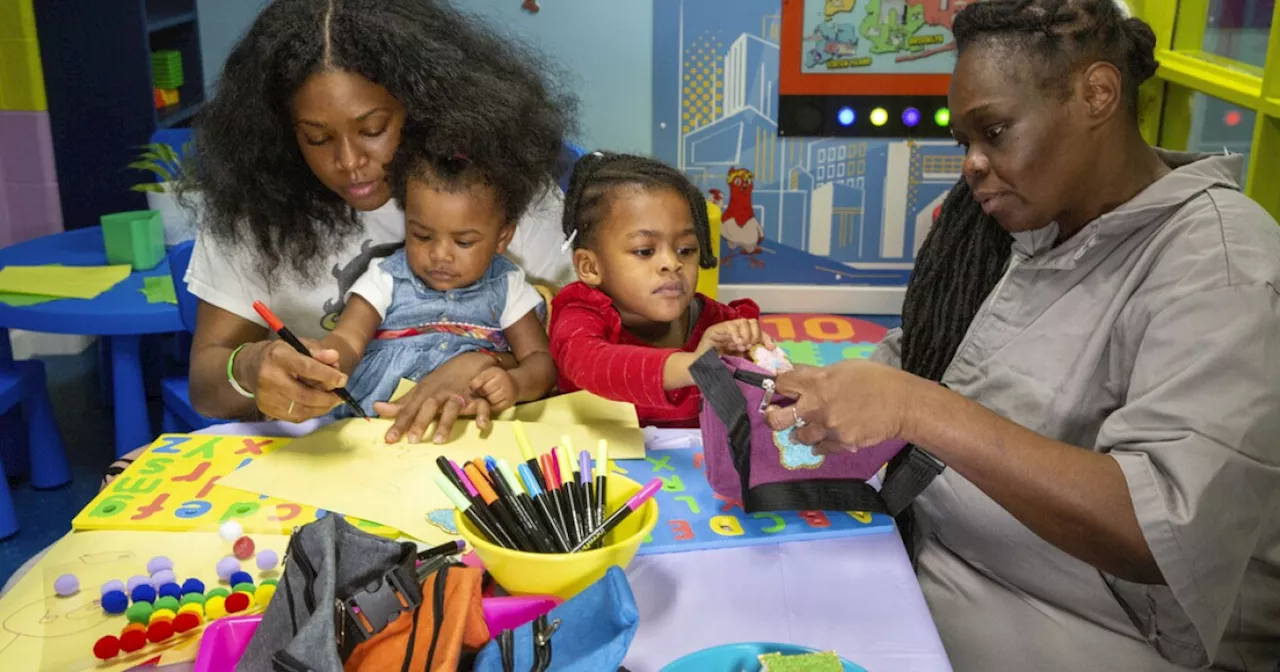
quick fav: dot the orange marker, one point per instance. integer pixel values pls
(506, 520)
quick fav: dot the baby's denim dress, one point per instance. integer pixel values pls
(425, 328)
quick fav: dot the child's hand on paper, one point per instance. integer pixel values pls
(443, 394)
(733, 337)
(496, 385)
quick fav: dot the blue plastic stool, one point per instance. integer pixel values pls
(24, 383)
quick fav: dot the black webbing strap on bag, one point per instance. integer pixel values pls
(720, 390)
(909, 473)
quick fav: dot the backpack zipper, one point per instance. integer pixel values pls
(294, 550)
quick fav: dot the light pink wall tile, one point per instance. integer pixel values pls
(26, 148)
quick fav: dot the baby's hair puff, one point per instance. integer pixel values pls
(599, 176)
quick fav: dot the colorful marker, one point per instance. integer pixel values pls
(467, 509)
(540, 500)
(506, 519)
(454, 474)
(288, 337)
(602, 479)
(525, 501)
(636, 501)
(526, 451)
(523, 518)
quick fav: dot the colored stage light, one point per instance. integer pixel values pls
(911, 116)
(879, 116)
(942, 117)
(845, 116)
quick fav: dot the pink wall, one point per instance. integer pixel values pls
(28, 184)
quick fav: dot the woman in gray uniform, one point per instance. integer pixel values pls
(1104, 321)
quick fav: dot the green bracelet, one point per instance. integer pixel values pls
(231, 362)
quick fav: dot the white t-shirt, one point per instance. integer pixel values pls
(376, 284)
(226, 276)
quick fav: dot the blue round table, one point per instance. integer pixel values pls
(121, 316)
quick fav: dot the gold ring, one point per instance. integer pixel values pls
(290, 411)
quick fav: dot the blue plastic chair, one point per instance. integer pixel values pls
(23, 383)
(175, 392)
(569, 155)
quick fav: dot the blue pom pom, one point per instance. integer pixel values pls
(192, 586)
(144, 593)
(240, 577)
(115, 602)
(170, 590)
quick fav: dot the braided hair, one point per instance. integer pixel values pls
(599, 176)
(966, 251)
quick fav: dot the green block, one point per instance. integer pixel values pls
(166, 68)
(135, 238)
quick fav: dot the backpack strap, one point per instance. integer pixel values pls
(909, 473)
(367, 611)
(720, 390)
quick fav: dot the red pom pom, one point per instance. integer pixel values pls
(106, 648)
(160, 631)
(132, 641)
(237, 602)
(185, 621)
(243, 548)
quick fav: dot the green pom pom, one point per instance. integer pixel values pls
(170, 603)
(268, 582)
(193, 598)
(139, 612)
(244, 588)
(217, 592)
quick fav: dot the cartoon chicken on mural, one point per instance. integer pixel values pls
(738, 225)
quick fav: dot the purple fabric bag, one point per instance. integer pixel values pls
(748, 462)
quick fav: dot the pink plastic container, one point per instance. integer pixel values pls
(224, 642)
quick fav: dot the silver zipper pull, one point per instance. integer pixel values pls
(768, 385)
(544, 636)
(339, 620)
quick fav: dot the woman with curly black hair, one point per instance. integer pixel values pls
(290, 168)
(1088, 371)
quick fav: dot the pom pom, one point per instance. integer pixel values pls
(230, 531)
(144, 593)
(264, 594)
(162, 577)
(237, 603)
(114, 584)
(107, 647)
(243, 548)
(269, 582)
(162, 615)
(227, 566)
(115, 602)
(185, 622)
(267, 559)
(246, 588)
(140, 627)
(170, 603)
(193, 598)
(215, 607)
(160, 631)
(170, 590)
(139, 612)
(66, 585)
(217, 592)
(133, 640)
(135, 581)
(192, 586)
(158, 563)
(239, 578)
(191, 609)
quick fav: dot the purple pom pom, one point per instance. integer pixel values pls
(228, 566)
(113, 584)
(135, 581)
(267, 559)
(66, 585)
(158, 563)
(162, 577)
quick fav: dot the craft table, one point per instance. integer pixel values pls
(121, 316)
(857, 596)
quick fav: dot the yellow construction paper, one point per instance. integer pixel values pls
(575, 408)
(347, 467)
(41, 631)
(70, 282)
(176, 486)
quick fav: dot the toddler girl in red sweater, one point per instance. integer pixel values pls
(633, 323)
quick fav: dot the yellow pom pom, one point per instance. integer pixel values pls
(191, 607)
(265, 592)
(162, 615)
(215, 607)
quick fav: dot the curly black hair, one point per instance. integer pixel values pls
(598, 176)
(465, 88)
(966, 251)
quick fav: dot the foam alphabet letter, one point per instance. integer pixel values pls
(254, 447)
(861, 516)
(680, 530)
(280, 516)
(110, 506)
(815, 518)
(156, 506)
(689, 501)
(140, 486)
(193, 509)
(660, 464)
(778, 523)
(155, 465)
(170, 444)
(239, 510)
(205, 451)
(194, 475)
(672, 483)
(725, 526)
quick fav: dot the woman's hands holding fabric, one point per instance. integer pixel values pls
(443, 395)
(287, 384)
(853, 404)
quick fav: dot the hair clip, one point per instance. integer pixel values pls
(598, 154)
(568, 243)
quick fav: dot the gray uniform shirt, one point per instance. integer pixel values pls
(1152, 335)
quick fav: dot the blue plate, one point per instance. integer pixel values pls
(740, 658)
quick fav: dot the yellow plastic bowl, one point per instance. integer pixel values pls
(563, 574)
